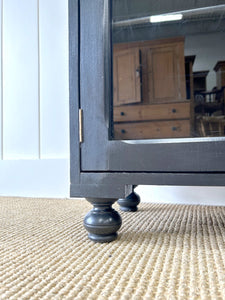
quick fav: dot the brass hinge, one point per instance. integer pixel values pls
(81, 125)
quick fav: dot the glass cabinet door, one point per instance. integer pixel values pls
(152, 85)
(168, 69)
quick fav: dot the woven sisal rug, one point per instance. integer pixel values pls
(163, 252)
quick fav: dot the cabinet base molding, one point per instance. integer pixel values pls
(102, 222)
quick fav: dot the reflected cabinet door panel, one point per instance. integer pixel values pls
(165, 69)
(127, 79)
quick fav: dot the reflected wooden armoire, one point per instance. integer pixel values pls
(149, 90)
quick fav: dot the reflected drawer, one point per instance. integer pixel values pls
(141, 112)
(152, 130)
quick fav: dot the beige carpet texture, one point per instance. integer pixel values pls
(163, 251)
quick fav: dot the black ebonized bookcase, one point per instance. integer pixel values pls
(102, 169)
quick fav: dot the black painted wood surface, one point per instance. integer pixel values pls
(101, 167)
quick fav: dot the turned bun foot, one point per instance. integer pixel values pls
(102, 222)
(130, 203)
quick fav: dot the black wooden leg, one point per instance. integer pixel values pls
(130, 203)
(102, 222)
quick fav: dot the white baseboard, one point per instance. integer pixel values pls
(182, 194)
(35, 178)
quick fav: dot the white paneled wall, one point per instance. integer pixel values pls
(34, 98)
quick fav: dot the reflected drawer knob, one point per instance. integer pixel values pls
(174, 128)
(122, 113)
(174, 110)
(123, 131)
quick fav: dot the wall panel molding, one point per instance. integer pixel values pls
(54, 87)
(20, 79)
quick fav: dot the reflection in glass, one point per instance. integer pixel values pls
(168, 69)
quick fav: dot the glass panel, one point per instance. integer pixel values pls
(168, 69)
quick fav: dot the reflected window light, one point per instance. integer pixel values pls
(165, 18)
(172, 16)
